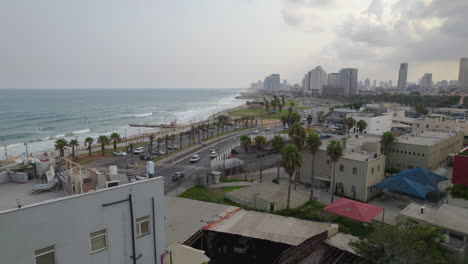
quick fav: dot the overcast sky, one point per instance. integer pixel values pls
(224, 43)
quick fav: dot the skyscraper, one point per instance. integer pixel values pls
(348, 80)
(367, 84)
(463, 73)
(403, 76)
(426, 80)
(318, 78)
(272, 82)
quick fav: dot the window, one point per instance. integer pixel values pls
(353, 188)
(354, 170)
(372, 171)
(341, 167)
(98, 241)
(45, 255)
(142, 226)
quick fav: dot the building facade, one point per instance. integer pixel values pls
(272, 83)
(361, 166)
(403, 77)
(114, 225)
(439, 122)
(349, 80)
(425, 149)
(463, 72)
(376, 124)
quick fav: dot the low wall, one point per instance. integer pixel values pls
(13, 177)
(4, 177)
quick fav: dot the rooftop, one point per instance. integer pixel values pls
(446, 216)
(281, 229)
(342, 240)
(354, 147)
(424, 138)
(12, 193)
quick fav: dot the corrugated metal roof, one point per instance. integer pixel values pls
(287, 230)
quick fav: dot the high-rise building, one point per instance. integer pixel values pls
(367, 84)
(463, 73)
(348, 80)
(390, 83)
(374, 85)
(272, 83)
(334, 79)
(314, 81)
(426, 80)
(403, 76)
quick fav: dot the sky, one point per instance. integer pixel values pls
(224, 43)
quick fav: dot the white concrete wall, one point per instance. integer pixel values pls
(68, 222)
(376, 125)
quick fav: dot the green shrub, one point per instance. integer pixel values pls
(275, 180)
(459, 191)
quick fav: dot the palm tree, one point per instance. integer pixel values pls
(181, 134)
(313, 142)
(291, 160)
(60, 145)
(319, 116)
(309, 120)
(131, 145)
(278, 143)
(283, 101)
(284, 119)
(335, 151)
(173, 137)
(73, 143)
(260, 142)
(246, 142)
(159, 140)
(362, 125)
(349, 123)
(103, 140)
(151, 140)
(89, 141)
(298, 134)
(387, 140)
(166, 140)
(115, 137)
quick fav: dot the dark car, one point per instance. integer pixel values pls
(177, 176)
(145, 157)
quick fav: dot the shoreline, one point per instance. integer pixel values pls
(51, 152)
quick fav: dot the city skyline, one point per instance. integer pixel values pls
(228, 44)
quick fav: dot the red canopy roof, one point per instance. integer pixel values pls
(355, 210)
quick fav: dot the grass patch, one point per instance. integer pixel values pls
(258, 113)
(459, 191)
(309, 211)
(352, 227)
(226, 179)
(213, 195)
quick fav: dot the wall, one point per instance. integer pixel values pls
(67, 223)
(4, 177)
(376, 125)
(460, 170)
(19, 177)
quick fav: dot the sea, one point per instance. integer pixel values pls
(38, 117)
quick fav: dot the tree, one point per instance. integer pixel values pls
(284, 119)
(291, 160)
(89, 141)
(420, 109)
(335, 151)
(349, 123)
(246, 142)
(60, 145)
(260, 142)
(362, 125)
(313, 142)
(283, 101)
(267, 106)
(320, 115)
(173, 137)
(278, 143)
(103, 141)
(406, 243)
(151, 140)
(131, 145)
(73, 143)
(387, 140)
(309, 120)
(181, 134)
(115, 137)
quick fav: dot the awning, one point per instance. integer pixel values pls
(355, 210)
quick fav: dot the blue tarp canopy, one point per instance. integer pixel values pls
(415, 182)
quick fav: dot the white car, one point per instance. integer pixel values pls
(120, 153)
(195, 158)
(256, 132)
(213, 154)
(268, 129)
(138, 150)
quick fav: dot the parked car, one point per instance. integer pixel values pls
(268, 129)
(256, 132)
(145, 157)
(195, 158)
(138, 150)
(120, 153)
(212, 149)
(172, 147)
(213, 154)
(177, 175)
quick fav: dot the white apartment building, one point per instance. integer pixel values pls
(361, 167)
(122, 224)
(376, 124)
(438, 122)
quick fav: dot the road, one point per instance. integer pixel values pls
(181, 163)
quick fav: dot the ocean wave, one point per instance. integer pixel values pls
(81, 131)
(46, 138)
(60, 136)
(143, 115)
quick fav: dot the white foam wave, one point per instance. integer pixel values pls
(143, 115)
(60, 135)
(46, 138)
(81, 131)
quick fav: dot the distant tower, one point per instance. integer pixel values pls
(403, 76)
(463, 73)
(348, 81)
